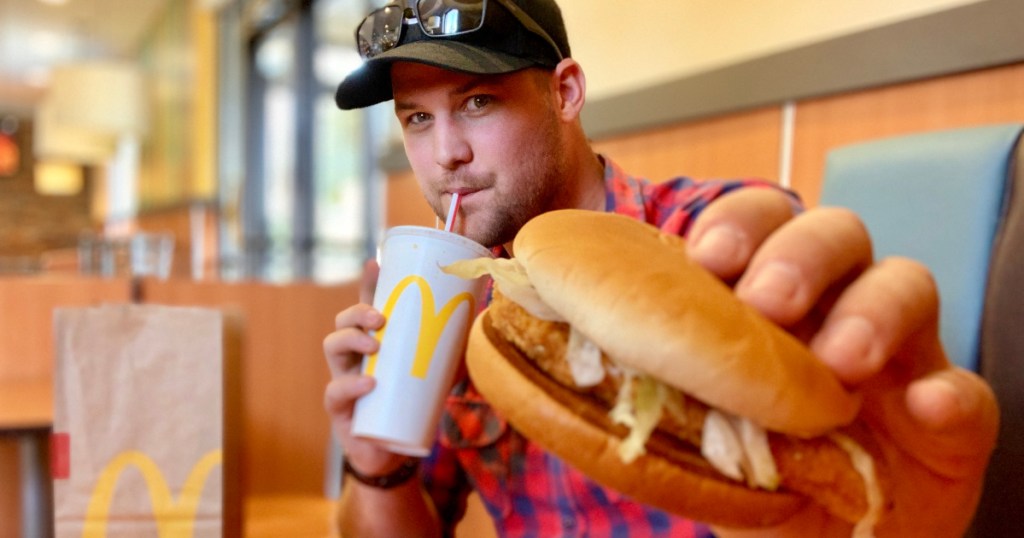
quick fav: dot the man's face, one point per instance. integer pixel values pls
(496, 140)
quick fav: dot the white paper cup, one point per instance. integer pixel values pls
(428, 315)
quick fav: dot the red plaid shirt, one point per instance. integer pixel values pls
(528, 491)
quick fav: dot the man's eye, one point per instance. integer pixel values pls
(479, 101)
(418, 118)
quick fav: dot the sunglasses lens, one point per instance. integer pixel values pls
(450, 17)
(380, 31)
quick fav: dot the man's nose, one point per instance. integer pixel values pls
(451, 147)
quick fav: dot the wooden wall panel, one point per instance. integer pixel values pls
(404, 202)
(10, 477)
(987, 96)
(26, 317)
(738, 145)
(284, 429)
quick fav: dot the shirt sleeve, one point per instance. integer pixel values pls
(673, 205)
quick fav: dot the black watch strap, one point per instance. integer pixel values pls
(397, 477)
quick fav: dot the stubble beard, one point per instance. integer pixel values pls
(541, 183)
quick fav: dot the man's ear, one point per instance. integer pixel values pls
(572, 88)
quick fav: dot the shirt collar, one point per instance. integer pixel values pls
(624, 194)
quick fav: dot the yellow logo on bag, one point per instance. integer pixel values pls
(431, 327)
(174, 518)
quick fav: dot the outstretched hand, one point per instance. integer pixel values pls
(875, 324)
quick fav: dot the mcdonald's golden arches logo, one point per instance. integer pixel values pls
(432, 324)
(174, 517)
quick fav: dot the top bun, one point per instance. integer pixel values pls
(635, 292)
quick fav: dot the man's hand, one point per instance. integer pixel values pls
(344, 350)
(876, 326)
(363, 510)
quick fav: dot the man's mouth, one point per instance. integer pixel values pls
(464, 194)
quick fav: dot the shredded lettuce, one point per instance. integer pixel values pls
(510, 277)
(622, 411)
(639, 409)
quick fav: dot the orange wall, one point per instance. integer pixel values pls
(974, 98)
(404, 203)
(736, 145)
(26, 335)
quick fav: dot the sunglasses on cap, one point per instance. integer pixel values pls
(381, 30)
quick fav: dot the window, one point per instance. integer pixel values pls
(301, 191)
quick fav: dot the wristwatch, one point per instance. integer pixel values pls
(399, 476)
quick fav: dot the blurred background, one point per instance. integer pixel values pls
(211, 122)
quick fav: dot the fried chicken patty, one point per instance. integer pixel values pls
(816, 467)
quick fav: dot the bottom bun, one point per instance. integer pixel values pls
(570, 426)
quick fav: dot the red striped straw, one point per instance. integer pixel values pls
(452, 210)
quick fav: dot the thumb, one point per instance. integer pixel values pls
(960, 411)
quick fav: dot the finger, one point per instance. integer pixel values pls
(728, 231)
(368, 281)
(342, 392)
(345, 347)
(891, 310)
(797, 264)
(361, 315)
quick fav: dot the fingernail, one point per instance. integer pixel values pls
(944, 389)
(938, 402)
(849, 347)
(364, 383)
(778, 282)
(374, 319)
(720, 243)
(369, 345)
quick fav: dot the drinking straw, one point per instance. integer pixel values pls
(452, 210)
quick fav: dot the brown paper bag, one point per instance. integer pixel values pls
(138, 419)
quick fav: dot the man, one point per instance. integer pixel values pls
(492, 112)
